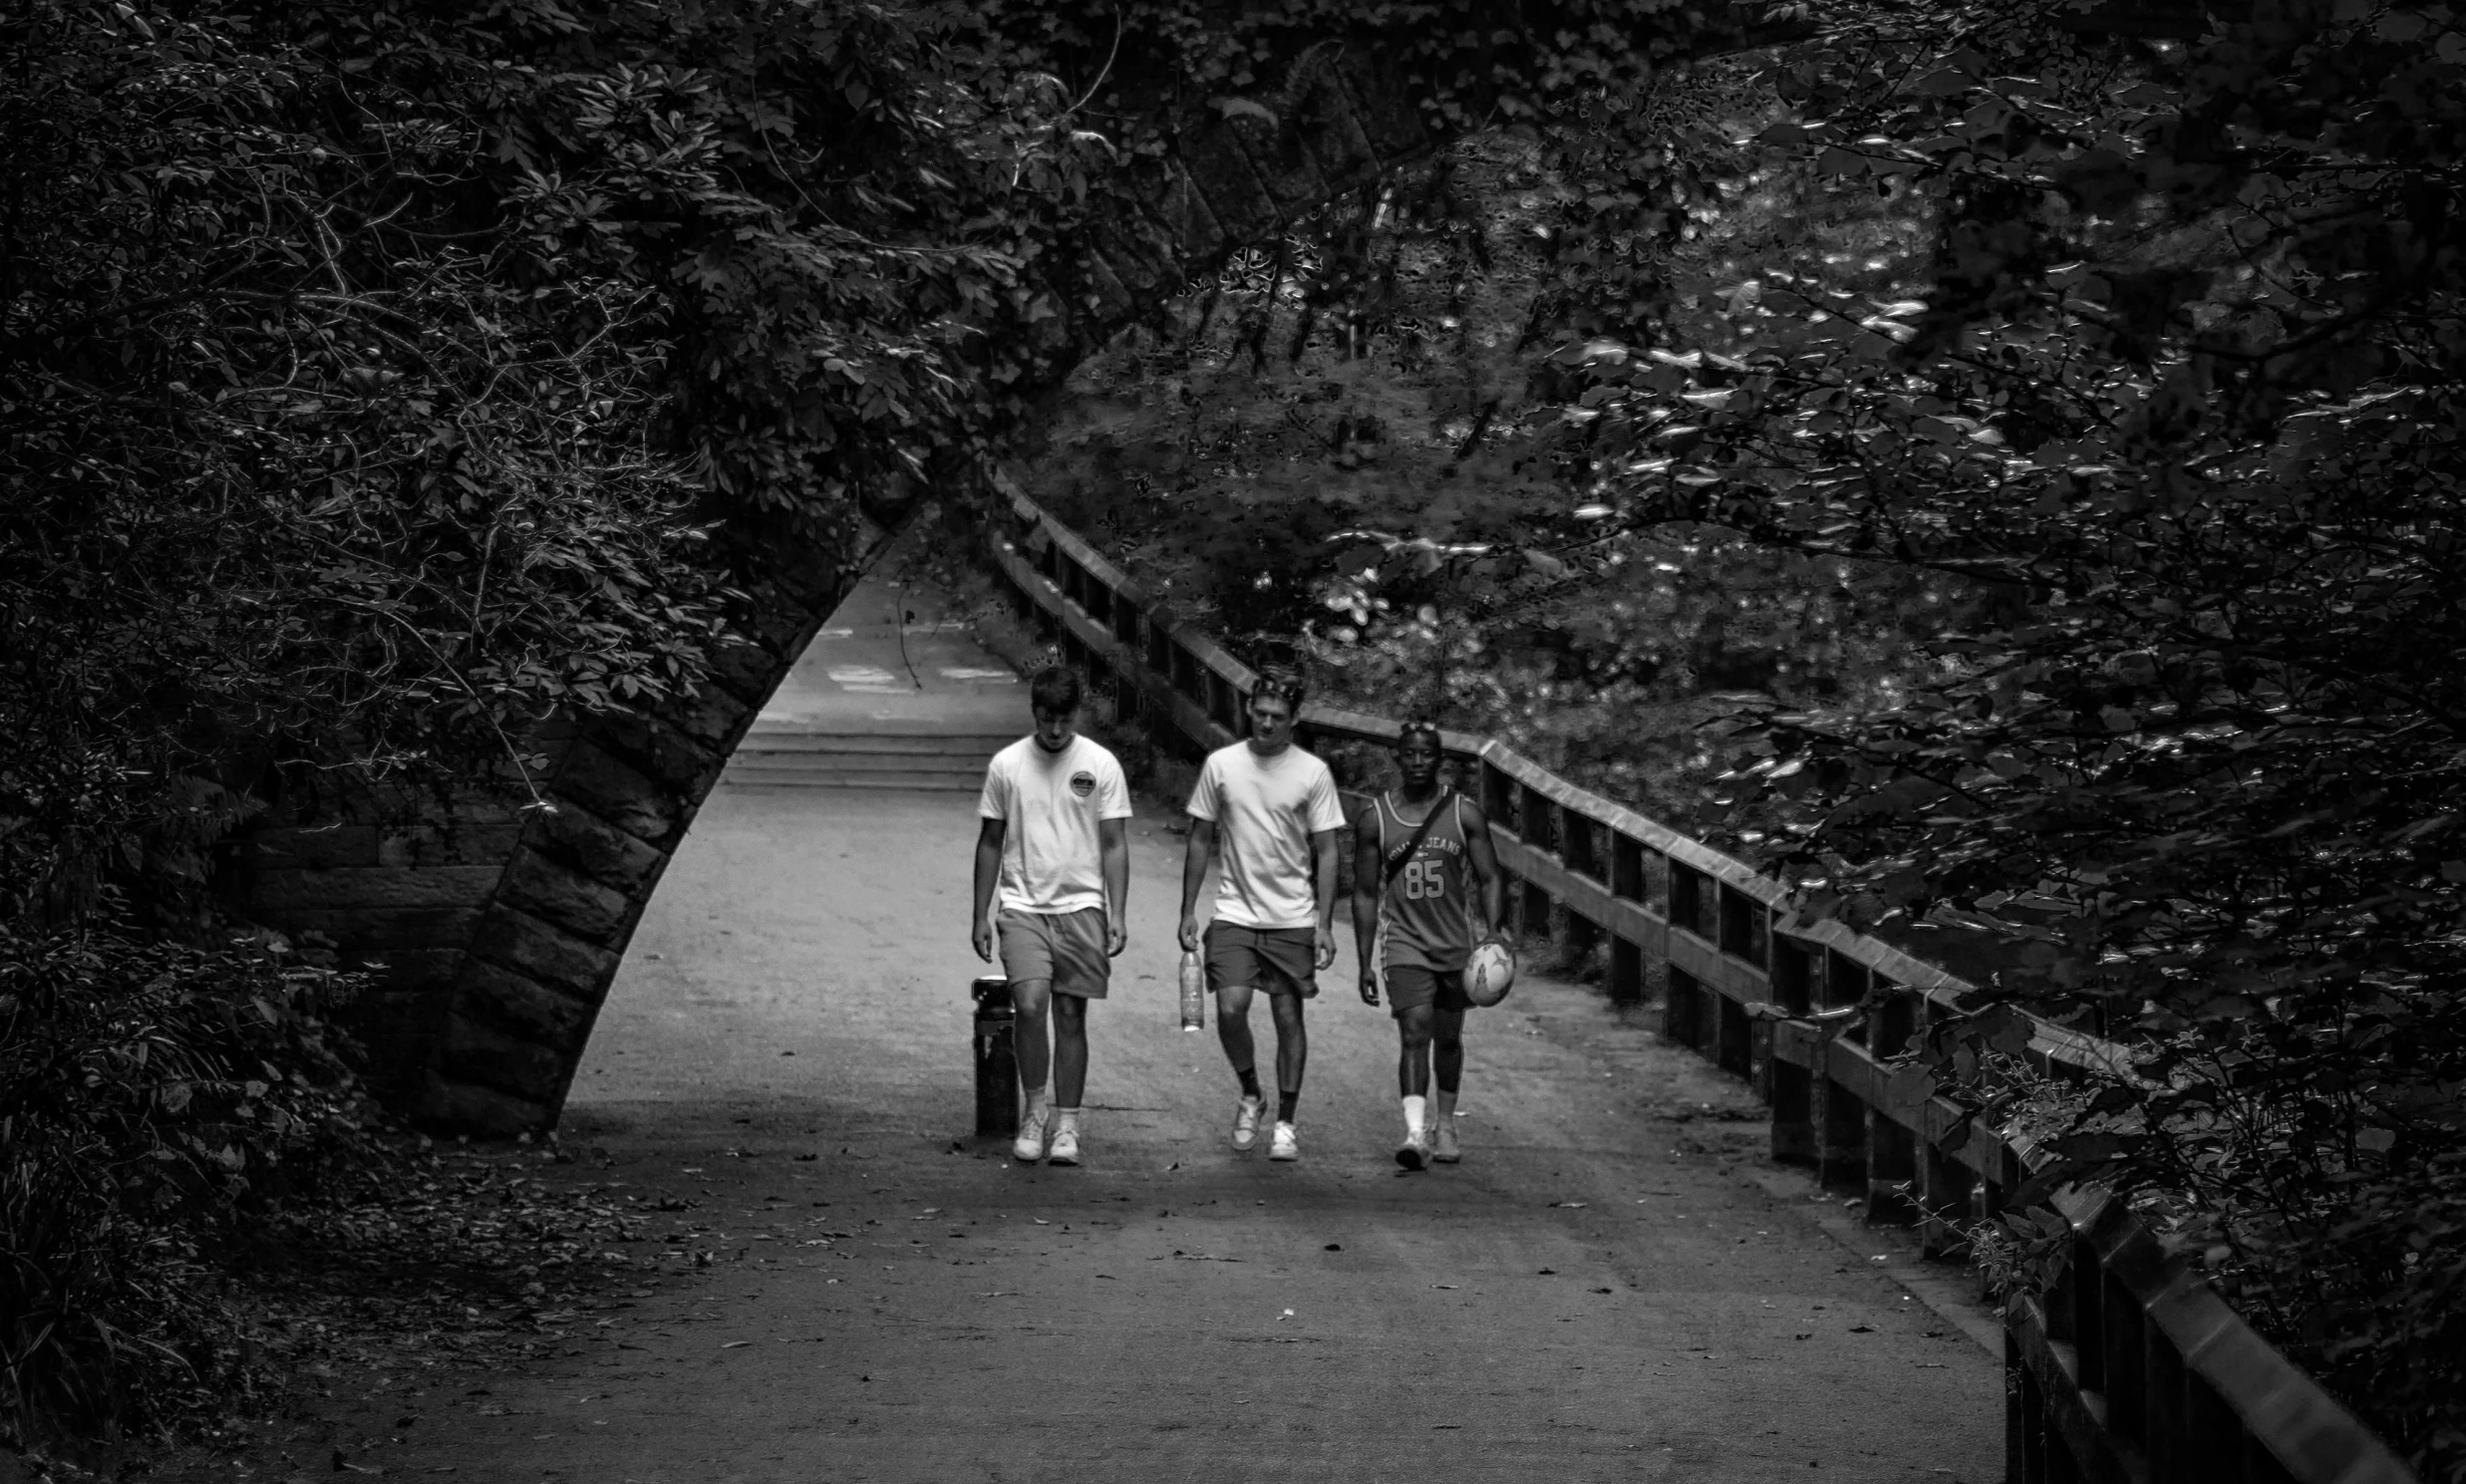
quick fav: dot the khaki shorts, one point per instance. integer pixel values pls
(1067, 948)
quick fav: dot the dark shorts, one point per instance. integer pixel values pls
(1410, 984)
(1278, 961)
(1066, 948)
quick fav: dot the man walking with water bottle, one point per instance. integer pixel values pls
(1053, 838)
(1274, 806)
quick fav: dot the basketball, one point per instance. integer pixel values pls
(1489, 973)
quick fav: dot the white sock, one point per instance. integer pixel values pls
(1065, 1119)
(1037, 1098)
(1415, 1119)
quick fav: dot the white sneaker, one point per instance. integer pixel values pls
(1030, 1146)
(1284, 1144)
(1414, 1152)
(1246, 1123)
(1443, 1146)
(1066, 1145)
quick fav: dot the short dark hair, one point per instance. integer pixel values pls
(1055, 689)
(1419, 728)
(1282, 685)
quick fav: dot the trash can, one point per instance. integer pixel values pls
(996, 1059)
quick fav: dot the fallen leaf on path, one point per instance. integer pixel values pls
(1545, 1272)
(1862, 1329)
(1040, 1221)
(1569, 1205)
(1442, 1285)
(735, 1344)
(1605, 1290)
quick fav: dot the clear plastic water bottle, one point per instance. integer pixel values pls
(1194, 990)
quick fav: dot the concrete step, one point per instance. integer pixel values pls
(925, 764)
(979, 745)
(912, 782)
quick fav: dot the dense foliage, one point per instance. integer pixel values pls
(1349, 445)
(152, 1100)
(2184, 385)
(375, 379)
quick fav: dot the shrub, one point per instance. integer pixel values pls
(152, 1098)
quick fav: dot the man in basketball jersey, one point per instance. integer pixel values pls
(1425, 889)
(1052, 835)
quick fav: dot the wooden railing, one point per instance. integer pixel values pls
(2129, 1369)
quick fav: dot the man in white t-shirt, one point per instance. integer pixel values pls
(1052, 833)
(1274, 806)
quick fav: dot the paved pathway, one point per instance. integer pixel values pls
(1613, 1285)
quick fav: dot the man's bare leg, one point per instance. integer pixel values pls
(1413, 1079)
(1030, 998)
(1292, 1053)
(1447, 1041)
(1412, 1059)
(1070, 1050)
(1070, 1074)
(1233, 1034)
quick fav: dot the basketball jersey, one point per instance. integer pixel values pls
(1425, 913)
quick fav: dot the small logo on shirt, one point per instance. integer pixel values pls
(1082, 783)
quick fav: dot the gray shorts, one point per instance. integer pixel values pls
(1067, 948)
(1271, 961)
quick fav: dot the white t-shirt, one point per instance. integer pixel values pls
(1050, 804)
(1265, 810)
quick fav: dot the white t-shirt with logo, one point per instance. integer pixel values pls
(1050, 804)
(1265, 810)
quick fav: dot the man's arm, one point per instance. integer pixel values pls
(1368, 871)
(1113, 845)
(989, 837)
(1323, 847)
(1490, 883)
(1193, 876)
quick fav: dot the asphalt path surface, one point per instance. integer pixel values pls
(1614, 1283)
